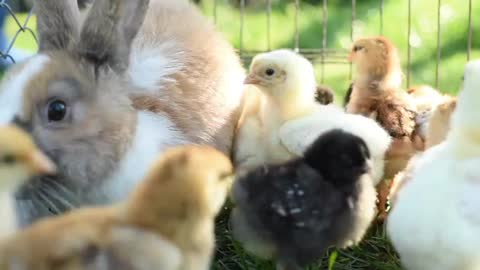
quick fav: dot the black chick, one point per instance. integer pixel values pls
(293, 212)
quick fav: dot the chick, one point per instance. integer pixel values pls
(20, 159)
(427, 99)
(293, 212)
(439, 122)
(376, 93)
(167, 223)
(324, 95)
(438, 229)
(282, 87)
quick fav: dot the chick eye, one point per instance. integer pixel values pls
(8, 159)
(357, 48)
(270, 71)
(56, 110)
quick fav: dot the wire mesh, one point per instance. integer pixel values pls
(21, 26)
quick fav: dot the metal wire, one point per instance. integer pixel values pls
(242, 15)
(439, 42)
(381, 16)
(470, 31)
(297, 34)
(215, 11)
(324, 38)
(269, 13)
(354, 4)
(409, 50)
(22, 27)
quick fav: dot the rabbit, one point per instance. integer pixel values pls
(110, 90)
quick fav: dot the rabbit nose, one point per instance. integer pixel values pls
(25, 125)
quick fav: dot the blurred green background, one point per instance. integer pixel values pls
(453, 18)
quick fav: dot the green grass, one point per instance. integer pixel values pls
(375, 252)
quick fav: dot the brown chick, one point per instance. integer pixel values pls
(324, 95)
(167, 223)
(376, 93)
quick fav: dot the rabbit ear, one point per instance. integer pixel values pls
(109, 30)
(57, 23)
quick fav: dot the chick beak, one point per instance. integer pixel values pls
(351, 56)
(251, 79)
(39, 163)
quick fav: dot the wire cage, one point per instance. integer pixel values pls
(10, 9)
(326, 55)
(322, 54)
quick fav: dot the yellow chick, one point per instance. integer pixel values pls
(20, 159)
(174, 207)
(283, 87)
(439, 123)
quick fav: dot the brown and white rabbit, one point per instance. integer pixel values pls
(106, 94)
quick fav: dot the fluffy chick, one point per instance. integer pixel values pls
(443, 225)
(167, 223)
(282, 87)
(376, 93)
(20, 159)
(293, 212)
(439, 122)
(324, 95)
(427, 99)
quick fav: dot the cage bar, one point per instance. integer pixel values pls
(269, 13)
(324, 38)
(381, 16)
(354, 4)
(470, 31)
(242, 15)
(439, 42)
(409, 47)
(297, 34)
(215, 3)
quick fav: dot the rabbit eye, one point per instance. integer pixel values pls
(57, 110)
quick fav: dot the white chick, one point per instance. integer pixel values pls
(20, 160)
(439, 228)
